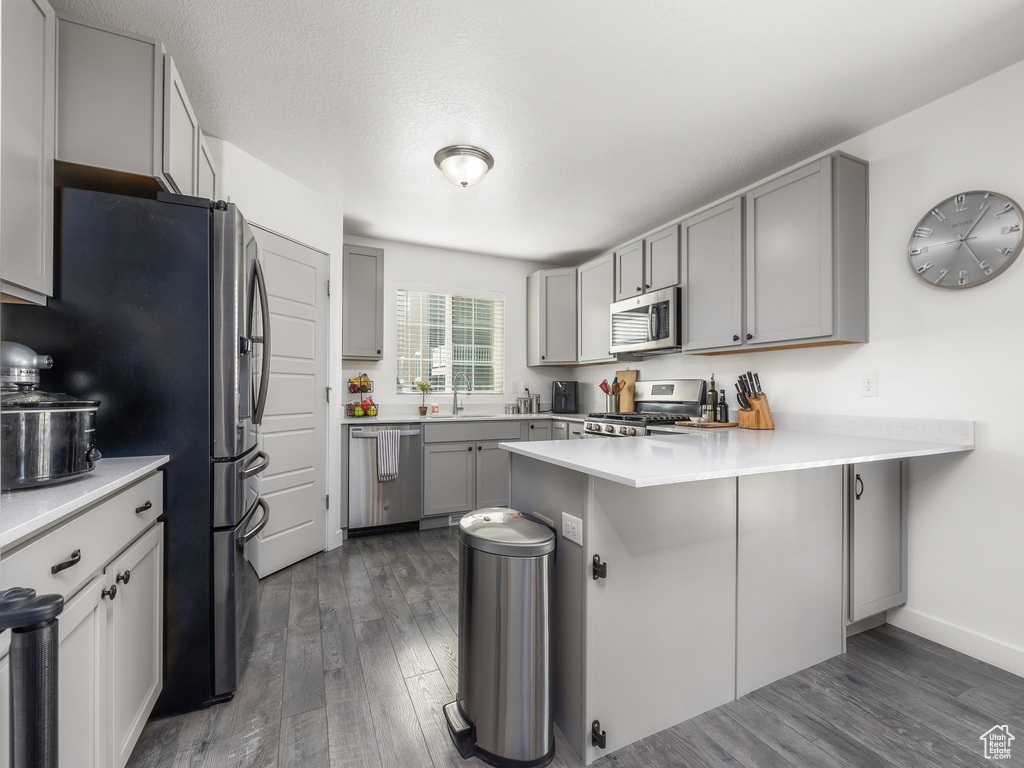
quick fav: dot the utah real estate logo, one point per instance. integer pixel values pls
(997, 742)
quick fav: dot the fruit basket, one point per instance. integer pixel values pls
(360, 385)
(365, 408)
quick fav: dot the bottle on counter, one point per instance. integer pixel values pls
(723, 408)
(712, 401)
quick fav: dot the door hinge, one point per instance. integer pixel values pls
(328, 287)
(328, 501)
(328, 394)
(598, 738)
(600, 569)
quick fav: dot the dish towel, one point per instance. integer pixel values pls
(387, 454)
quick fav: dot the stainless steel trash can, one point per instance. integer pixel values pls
(503, 711)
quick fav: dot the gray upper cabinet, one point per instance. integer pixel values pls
(449, 478)
(595, 291)
(551, 317)
(362, 331)
(493, 476)
(629, 270)
(806, 255)
(712, 258)
(122, 106)
(26, 155)
(207, 171)
(181, 133)
(661, 262)
(877, 539)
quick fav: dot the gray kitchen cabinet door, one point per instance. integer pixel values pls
(493, 475)
(449, 478)
(558, 316)
(789, 574)
(206, 172)
(84, 674)
(789, 256)
(877, 539)
(362, 332)
(575, 431)
(135, 645)
(629, 270)
(712, 258)
(110, 99)
(540, 430)
(181, 133)
(661, 265)
(595, 291)
(559, 430)
(28, 91)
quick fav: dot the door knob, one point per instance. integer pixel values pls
(470, 448)
(735, 337)
(111, 593)
(750, 336)
(125, 577)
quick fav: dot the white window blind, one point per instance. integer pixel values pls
(440, 335)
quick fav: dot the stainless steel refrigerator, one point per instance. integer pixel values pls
(160, 312)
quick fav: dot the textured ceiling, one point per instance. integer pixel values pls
(605, 118)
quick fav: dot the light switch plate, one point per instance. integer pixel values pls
(572, 528)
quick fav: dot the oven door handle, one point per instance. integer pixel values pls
(258, 468)
(367, 435)
(248, 536)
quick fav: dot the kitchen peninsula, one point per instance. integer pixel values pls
(709, 563)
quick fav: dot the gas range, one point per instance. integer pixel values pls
(656, 402)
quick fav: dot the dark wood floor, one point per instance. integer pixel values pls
(356, 654)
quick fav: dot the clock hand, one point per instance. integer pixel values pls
(975, 224)
(971, 250)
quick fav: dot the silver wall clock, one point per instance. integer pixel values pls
(967, 240)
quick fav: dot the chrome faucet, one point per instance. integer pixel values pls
(455, 391)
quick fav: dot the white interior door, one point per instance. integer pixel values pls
(294, 429)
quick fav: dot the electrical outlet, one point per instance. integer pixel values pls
(869, 385)
(526, 384)
(572, 528)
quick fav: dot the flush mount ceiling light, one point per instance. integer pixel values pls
(463, 165)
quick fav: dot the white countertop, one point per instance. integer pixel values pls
(697, 454)
(28, 512)
(417, 419)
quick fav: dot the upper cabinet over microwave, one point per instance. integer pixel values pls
(648, 265)
(122, 106)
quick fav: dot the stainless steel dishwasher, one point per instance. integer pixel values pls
(371, 503)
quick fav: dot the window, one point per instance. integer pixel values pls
(440, 335)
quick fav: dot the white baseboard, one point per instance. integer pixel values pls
(988, 649)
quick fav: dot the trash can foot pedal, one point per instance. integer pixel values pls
(460, 730)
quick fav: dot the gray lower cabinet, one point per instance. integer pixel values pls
(559, 430)
(877, 539)
(540, 430)
(28, 68)
(661, 259)
(493, 467)
(789, 589)
(449, 478)
(122, 106)
(629, 270)
(362, 331)
(595, 291)
(712, 258)
(551, 317)
(575, 431)
(806, 255)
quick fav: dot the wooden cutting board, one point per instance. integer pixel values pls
(628, 379)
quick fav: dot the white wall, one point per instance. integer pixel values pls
(451, 271)
(956, 354)
(279, 203)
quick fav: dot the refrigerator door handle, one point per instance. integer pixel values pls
(258, 468)
(248, 536)
(256, 282)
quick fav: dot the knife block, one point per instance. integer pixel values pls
(759, 416)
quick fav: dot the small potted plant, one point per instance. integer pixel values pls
(424, 387)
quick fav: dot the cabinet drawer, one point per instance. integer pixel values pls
(97, 534)
(473, 431)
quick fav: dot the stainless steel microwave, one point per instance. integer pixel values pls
(648, 324)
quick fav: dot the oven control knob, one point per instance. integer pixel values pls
(609, 429)
(631, 431)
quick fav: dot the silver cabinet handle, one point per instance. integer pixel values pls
(246, 537)
(258, 468)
